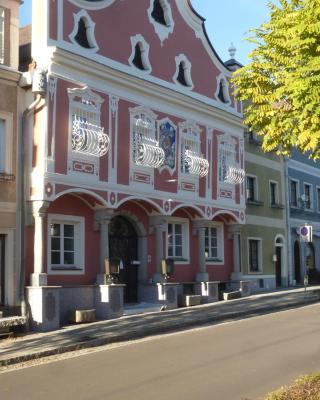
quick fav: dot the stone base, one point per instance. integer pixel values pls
(202, 277)
(38, 280)
(82, 316)
(109, 301)
(209, 291)
(245, 288)
(189, 300)
(236, 276)
(232, 295)
(44, 307)
(168, 294)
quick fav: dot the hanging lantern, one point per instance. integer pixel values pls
(88, 138)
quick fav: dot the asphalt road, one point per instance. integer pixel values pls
(237, 360)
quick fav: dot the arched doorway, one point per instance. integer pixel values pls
(123, 244)
(297, 266)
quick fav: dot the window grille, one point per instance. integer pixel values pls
(229, 170)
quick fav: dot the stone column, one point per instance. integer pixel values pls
(234, 234)
(202, 275)
(39, 277)
(157, 227)
(103, 218)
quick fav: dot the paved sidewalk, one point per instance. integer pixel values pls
(36, 345)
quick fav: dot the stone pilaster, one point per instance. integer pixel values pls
(158, 227)
(199, 227)
(103, 219)
(39, 277)
(234, 234)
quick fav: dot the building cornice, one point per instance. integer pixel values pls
(85, 70)
(9, 74)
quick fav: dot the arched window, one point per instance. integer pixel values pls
(160, 16)
(83, 32)
(158, 13)
(182, 75)
(222, 92)
(139, 57)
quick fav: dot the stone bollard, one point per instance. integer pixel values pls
(168, 294)
(245, 288)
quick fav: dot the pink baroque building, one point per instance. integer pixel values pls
(135, 153)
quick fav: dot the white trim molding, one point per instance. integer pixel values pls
(92, 5)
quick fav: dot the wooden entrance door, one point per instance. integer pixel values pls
(2, 268)
(278, 266)
(123, 242)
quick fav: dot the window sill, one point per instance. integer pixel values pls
(66, 268)
(214, 260)
(255, 203)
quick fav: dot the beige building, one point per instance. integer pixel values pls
(9, 95)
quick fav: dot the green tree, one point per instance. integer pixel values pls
(281, 84)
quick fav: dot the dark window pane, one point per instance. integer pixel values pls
(55, 257)
(55, 243)
(68, 258)
(178, 229)
(69, 231)
(55, 230)
(69, 244)
(178, 251)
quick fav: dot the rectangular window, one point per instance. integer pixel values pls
(294, 193)
(2, 145)
(1, 35)
(65, 243)
(62, 244)
(307, 196)
(177, 240)
(251, 188)
(273, 193)
(211, 242)
(254, 255)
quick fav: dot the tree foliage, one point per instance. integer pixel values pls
(281, 84)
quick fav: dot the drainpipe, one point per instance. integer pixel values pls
(39, 89)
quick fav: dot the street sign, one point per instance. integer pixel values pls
(305, 233)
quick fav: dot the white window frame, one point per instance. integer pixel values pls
(135, 114)
(144, 48)
(311, 196)
(225, 88)
(187, 72)
(7, 142)
(226, 140)
(2, 30)
(296, 181)
(255, 187)
(184, 222)
(259, 240)
(90, 104)
(79, 244)
(277, 201)
(219, 260)
(90, 27)
(189, 132)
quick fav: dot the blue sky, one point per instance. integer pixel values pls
(226, 22)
